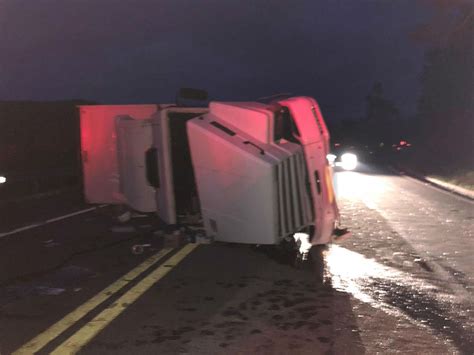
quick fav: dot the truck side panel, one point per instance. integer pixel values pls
(99, 149)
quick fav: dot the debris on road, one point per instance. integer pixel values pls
(174, 240)
(124, 217)
(49, 291)
(203, 239)
(50, 243)
(139, 248)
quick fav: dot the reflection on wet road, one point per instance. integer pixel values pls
(440, 226)
(352, 272)
(400, 294)
(411, 255)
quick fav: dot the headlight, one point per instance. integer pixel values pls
(349, 161)
(331, 158)
(3, 179)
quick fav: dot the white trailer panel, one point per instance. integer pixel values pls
(134, 138)
(99, 149)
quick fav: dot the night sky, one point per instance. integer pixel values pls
(124, 51)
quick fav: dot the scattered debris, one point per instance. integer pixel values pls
(50, 243)
(49, 291)
(203, 239)
(68, 276)
(174, 240)
(125, 217)
(139, 248)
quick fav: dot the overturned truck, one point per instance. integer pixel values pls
(256, 173)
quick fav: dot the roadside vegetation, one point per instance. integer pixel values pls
(460, 178)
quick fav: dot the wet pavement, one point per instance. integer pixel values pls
(413, 247)
(403, 283)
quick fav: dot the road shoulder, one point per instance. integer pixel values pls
(443, 185)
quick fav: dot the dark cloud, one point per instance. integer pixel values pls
(142, 51)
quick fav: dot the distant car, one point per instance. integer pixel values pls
(345, 158)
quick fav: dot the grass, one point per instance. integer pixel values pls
(461, 178)
(459, 173)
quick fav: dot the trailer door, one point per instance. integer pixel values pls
(99, 149)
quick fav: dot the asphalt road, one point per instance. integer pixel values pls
(403, 283)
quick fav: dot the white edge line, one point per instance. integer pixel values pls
(434, 186)
(51, 220)
(439, 189)
(457, 189)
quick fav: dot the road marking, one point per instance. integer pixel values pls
(441, 189)
(457, 189)
(31, 226)
(427, 182)
(59, 327)
(84, 335)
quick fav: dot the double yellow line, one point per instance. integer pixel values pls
(84, 335)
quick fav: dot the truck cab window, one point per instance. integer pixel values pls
(285, 126)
